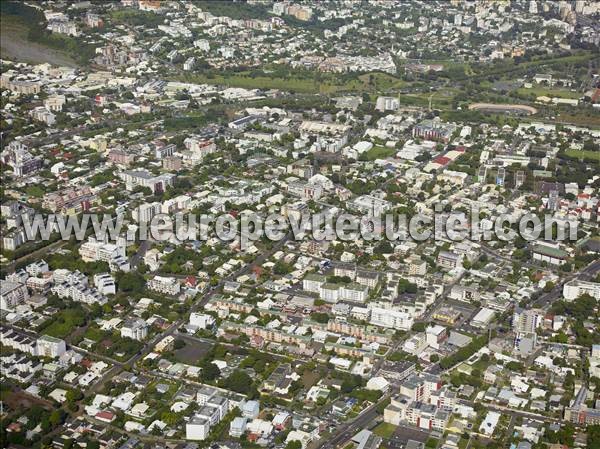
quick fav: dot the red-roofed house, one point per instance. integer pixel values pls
(105, 416)
(442, 160)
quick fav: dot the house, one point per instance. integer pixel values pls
(250, 409)
(238, 427)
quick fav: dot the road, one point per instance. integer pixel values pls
(556, 293)
(348, 430)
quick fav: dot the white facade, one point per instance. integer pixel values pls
(197, 428)
(166, 285)
(391, 318)
(12, 294)
(48, 346)
(575, 288)
(136, 329)
(201, 320)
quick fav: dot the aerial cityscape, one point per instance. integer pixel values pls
(300, 224)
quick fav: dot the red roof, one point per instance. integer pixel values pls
(442, 160)
(190, 280)
(105, 415)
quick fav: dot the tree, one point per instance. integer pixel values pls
(56, 418)
(74, 395)
(320, 317)
(434, 358)
(239, 381)
(293, 444)
(418, 327)
(131, 282)
(209, 372)
(385, 247)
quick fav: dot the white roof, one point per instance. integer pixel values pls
(377, 383)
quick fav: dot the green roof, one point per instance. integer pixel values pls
(315, 277)
(550, 251)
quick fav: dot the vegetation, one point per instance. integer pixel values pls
(464, 353)
(35, 21)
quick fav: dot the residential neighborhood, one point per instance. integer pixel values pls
(436, 280)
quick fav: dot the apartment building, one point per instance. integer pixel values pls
(575, 288)
(105, 284)
(164, 284)
(312, 282)
(434, 130)
(12, 294)
(96, 251)
(70, 200)
(135, 328)
(391, 318)
(143, 178)
(416, 266)
(48, 346)
(449, 260)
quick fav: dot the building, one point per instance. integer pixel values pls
(172, 163)
(391, 318)
(164, 284)
(575, 288)
(69, 200)
(17, 155)
(145, 212)
(353, 292)
(449, 260)
(387, 104)
(579, 413)
(142, 178)
(189, 63)
(416, 344)
(312, 282)
(434, 130)
(120, 157)
(416, 266)
(436, 335)
(250, 409)
(105, 284)
(483, 318)
(48, 346)
(238, 427)
(201, 321)
(197, 428)
(96, 251)
(369, 279)
(549, 253)
(55, 103)
(135, 328)
(12, 294)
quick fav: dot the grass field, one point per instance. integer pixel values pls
(549, 92)
(581, 119)
(14, 45)
(385, 430)
(318, 84)
(64, 323)
(380, 81)
(593, 155)
(378, 152)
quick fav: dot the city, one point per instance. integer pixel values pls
(452, 119)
